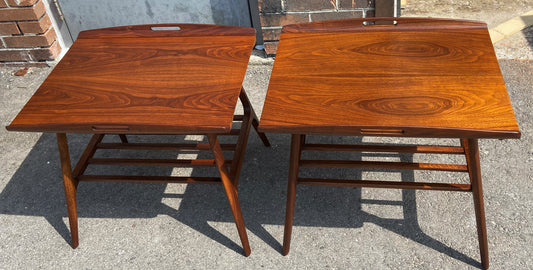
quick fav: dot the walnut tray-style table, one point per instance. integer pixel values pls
(403, 77)
(148, 79)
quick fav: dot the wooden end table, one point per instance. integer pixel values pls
(403, 77)
(148, 79)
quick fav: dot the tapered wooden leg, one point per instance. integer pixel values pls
(296, 147)
(71, 185)
(262, 135)
(255, 122)
(242, 140)
(474, 169)
(231, 192)
(123, 138)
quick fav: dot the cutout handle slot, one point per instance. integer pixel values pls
(380, 23)
(165, 28)
(379, 131)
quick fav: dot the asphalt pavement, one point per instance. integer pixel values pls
(128, 225)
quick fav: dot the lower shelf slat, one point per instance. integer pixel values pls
(156, 162)
(162, 146)
(421, 149)
(384, 165)
(152, 179)
(384, 184)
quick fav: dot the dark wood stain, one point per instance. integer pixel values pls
(427, 77)
(149, 81)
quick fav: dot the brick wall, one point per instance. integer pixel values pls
(276, 13)
(27, 37)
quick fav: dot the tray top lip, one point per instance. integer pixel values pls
(310, 80)
(372, 25)
(136, 57)
(174, 30)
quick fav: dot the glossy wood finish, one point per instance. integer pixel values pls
(419, 78)
(138, 80)
(229, 170)
(404, 77)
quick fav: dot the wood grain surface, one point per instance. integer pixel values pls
(419, 77)
(137, 80)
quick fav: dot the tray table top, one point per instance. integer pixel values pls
(159, 79)
(416, 78)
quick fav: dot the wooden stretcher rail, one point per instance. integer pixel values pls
(385, 184)
(162, 146)
(156, 162)
(386, 148)
(152, 179)
(384, 165)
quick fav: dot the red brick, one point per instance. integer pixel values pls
(9, 29)
(270, 6)
(271, 47)
(36, 27)
(309, 5)
(271, 34)
(353, 4)
(21, 3)
(14, 55)
(282, 19)
(3, 4)
(43, 40)
(22, 14)
(334, 15)
(49, 53)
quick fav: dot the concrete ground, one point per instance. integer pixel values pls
(493, 12)
(190, 226)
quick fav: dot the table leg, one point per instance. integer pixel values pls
(242, 140)
(123, 138)
(71, 185)
(474, 169)
(231, 191)
(255, 122)
(294, 166)
(262, 135)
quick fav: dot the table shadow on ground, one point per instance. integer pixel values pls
(528, 31)
(37, 190)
